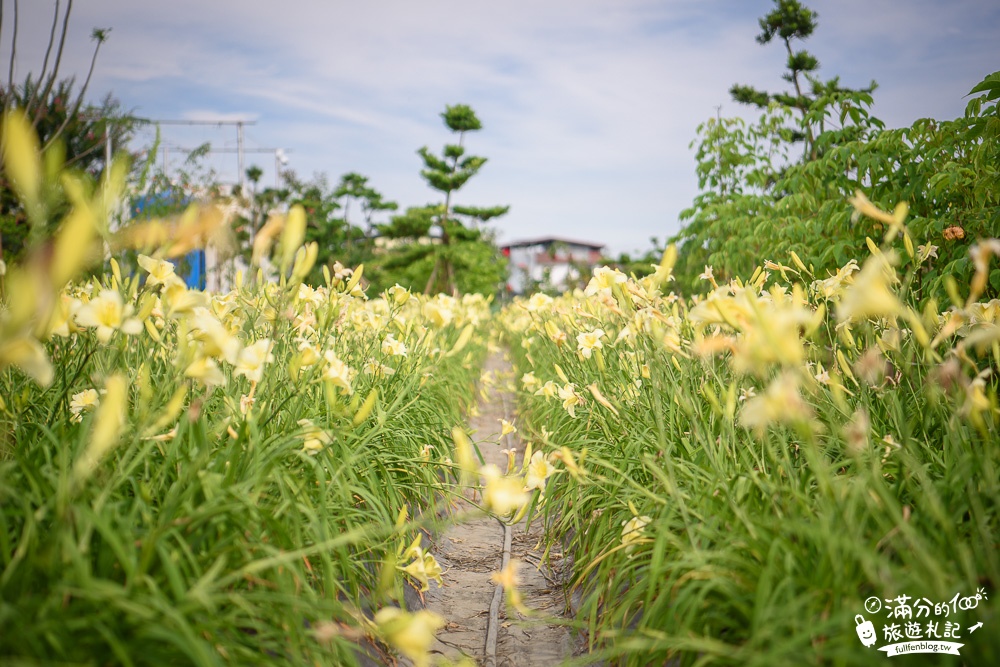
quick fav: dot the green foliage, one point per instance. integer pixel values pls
(69, 131)
(411, 257)
(760, 547)
(329, 217)
(755, 206)
(790, 21)
(354, 187)
(444, 248)
(71, 134)
(210, 479)
(201, 547)
(461, 118)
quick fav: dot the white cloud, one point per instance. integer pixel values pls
(588, 105)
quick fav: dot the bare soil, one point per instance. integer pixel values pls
(480, 626)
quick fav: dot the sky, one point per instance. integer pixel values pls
(588, 107)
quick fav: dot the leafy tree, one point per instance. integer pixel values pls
(946, 171)
(353, 187)
(789, 21)
(749, 196)
(254, 174)
(327, 209)
(323, 224)
(462, 256)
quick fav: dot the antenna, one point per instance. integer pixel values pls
(239, 123)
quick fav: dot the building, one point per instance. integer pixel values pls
(549, 263)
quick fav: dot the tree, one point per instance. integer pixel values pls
(946, 171)
(751, 201)
(69, 129)
(789, 21)
(323, 223)
(327, 215)
(410, 255)
(461, 244)
(353, 187)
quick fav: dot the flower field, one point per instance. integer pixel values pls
(246, 477)
(223, 484)
(751, 466)
(234, 478)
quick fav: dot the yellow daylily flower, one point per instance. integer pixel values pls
(502, 495)
(215, 338)
(833, 287)
(570, 399)
(86, 400)
(604, 280)
(179, 300)
(108, 313)
(22, 158)
(600, 398)
(424, 566)
(589, 341)
(410, 633)
(161, 272)
(565, 454)
(399, 294)
(980, 254)
(439, 314)
(252, 359)
(205, 370)
(555, 334)
(539, 470)
(632, 531)
(63, 314)
(507, 577)
(538, 301)
(393, 347)
(870, 296)
(27, 354)
(265, 238)
(780, 403)
(308, 355)
(337, 372)
(107, 426)
(378, 369)
(314, 439)
(549, 390)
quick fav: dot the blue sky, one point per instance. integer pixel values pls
(588, 106)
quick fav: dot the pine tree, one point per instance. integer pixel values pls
(789, 21)
(464, 246)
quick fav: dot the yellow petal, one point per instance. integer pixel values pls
(27, 354)
(293, 235)
(107, 427)
(22, 158)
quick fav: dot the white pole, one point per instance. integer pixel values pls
(239, 157)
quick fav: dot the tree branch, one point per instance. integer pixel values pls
(45, 63)
(55, 66)
(13, 51)
(100, 36)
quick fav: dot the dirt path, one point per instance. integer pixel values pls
(479, 624)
